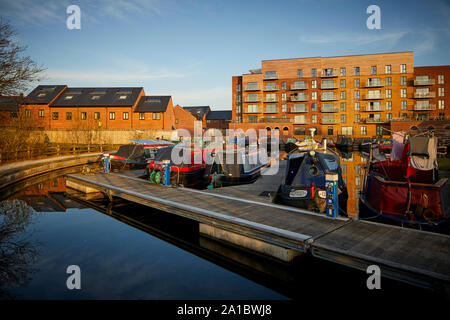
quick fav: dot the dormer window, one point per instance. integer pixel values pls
(95, 97)
(122, 97)
(68, 97)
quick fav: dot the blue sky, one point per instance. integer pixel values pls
(191, 49)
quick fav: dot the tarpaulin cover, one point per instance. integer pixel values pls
(130, 152)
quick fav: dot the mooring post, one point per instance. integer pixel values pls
(331, 186)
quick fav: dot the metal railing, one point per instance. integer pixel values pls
(424, 107)
(424, 82)
(281, 120)
(299, 98)
(424, 94)
(299, 87)
(329, 121)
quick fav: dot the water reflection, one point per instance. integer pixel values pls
(17, 251)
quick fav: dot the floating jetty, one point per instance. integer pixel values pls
(282, 232)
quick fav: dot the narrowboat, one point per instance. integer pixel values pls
(344, 142)
(237, 166)
(303, 185)
(128, 155)
(405, 190)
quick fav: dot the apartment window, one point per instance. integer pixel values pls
(388, 105)
(252, 119)
(68, 115)
(356, 71)
(125, 116)
(403, 105)
(271, 75)
(55, 115)
(141, 116)
(343, 118)
(253, 85)
(251, 108)
(330, 131)
(343, 83)
(238, 108)
(441, 79)
(343, 95)
(83, 116)
(271, 108)
(403, 68)
(283, 85)
(373, 70)
(347, 131)
(156, 116)
(389, 116)
(403, 81)
(314, 72)
(253, 97)
(356, 84)
(388, 93)
(41, 113)
(441, 92)
(357, 180)
(441, 104)
(357, 118)
(357, 94)
(238, 119)
(314, 106)
(112, 116)
(238, 98)
(314, 118)
(363, 130)
(387, 69)
(343, 106)
(357, 106)
(284, 108)
(238, 87)
(283, 97)
(314, 95)
(342, 72)
(403, 93)
(300, 119)
(299, 73)
(388, 81)
(96, 115)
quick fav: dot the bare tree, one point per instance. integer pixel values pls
(17, 72)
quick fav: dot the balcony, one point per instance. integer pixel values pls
(270, 88)
(374, 84)
(329, 97)
(327, 109)
(280, 120)
(328, 73)
(275, 110)
(421, 95)
(267, 99)
(252, 99)
(428, 107)
(252, 88)
(299, 87)
(302, 121)
(373, 108)
(423, 82)
(270, 77)
(325, 86)
(252, 110)
(330, 121)
(295, 98)
(373, 96)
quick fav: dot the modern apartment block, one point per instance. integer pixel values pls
(351, 95)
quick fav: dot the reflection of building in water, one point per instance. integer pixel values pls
(353, 164)
(47, 196)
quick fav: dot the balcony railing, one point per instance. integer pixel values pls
(329, 109)
(374, 120)
(251, 110)
(424, 107)
(270, 88)
(374, 84)
(373, 96)
(299, 110)
(329, 98)
(270, 77)
(281, 120)
(303, 121)
(252, 88)
(299, 87)
(329, 121)
(324, 86)
(299, 98)
(377, 108)
(266, 99)
(424, 82)
(419, 95)
(329, 73)
(251, 99)
(271, 110)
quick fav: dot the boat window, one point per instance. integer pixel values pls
(313, 171)
(293, 166)
(331, 163)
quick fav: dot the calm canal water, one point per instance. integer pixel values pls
(128, 251)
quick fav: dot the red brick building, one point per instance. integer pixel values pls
(218, 119)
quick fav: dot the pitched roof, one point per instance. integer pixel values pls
(153, 104)
(10, 103)
(98, 97)
(198, 111)
(43, 94)
(219, 115)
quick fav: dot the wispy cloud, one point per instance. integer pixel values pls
(102, 77)
(355, 39)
